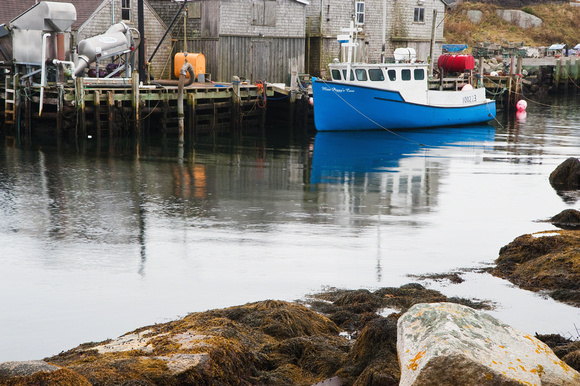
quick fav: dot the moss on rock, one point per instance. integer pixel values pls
(547, 261)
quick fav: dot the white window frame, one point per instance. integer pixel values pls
(359, 8)
(126, 8)
(419, 15)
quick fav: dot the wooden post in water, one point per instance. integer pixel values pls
(191, 114)
(59, 110)
(97, 103)
(236, 105)
(263, 114)
(557, 73)
(136, 100)
(293, 90)
(17, 101)
(567, 74)
(28, 111)
(80, 98)
(111, 112)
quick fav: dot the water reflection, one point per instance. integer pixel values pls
(397, 172)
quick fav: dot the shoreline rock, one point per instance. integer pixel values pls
(451, 344)
(544, 261)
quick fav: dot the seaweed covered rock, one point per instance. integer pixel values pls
(451, 344)
(351, 310)
(567, 219)
(544, 261)
(567, 175)
(373, 358)
(270, 342)
(21, 373)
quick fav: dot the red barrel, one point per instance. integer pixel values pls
(456, 63)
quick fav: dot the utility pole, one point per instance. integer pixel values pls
(141, 28)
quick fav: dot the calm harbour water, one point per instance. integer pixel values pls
(96, 242)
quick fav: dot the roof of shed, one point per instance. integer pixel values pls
(11, 9)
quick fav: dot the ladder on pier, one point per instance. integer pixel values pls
(9, 102)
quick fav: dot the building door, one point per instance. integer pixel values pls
(260, 60)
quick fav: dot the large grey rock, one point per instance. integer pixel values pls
(38, 373)
(451, 344)
(567, 175)
(519, 18)
(24, 368)
(475, 16)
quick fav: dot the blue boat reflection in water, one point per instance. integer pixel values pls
(338, 155)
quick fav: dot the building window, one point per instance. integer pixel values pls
(360, 12)
(194, 9)
(419, 16)
(126, 10)
(264, 12)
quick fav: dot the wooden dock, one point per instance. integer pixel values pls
(108, 107)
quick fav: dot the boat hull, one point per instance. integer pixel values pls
(339, 107)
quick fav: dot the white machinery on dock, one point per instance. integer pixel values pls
(118, 40)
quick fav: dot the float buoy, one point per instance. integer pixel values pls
(521, 105)
(311, 101)
(466, 87)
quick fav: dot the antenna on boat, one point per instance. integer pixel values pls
(349, 41)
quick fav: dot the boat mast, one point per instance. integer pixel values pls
(350, 44)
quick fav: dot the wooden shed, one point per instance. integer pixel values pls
(253, 39)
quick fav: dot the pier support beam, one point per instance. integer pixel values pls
(111, 113)
(236, 105)
(191, 115)
(136, 101)
(80, 100)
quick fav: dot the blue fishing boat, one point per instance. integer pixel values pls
(363, 96)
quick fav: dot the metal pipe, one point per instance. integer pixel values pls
(43, 73)
(167, 31)
(68, 62)
(187, 67)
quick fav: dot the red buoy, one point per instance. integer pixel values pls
(456, 63)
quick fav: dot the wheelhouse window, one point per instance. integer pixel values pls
(376, 74)
(419, 16)
(419, 74)
(392, 75)
(406, 74)
(361, 74)
(336, 75)
(351, 75)
(126, 10)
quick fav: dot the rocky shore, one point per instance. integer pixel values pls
(409, 335)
